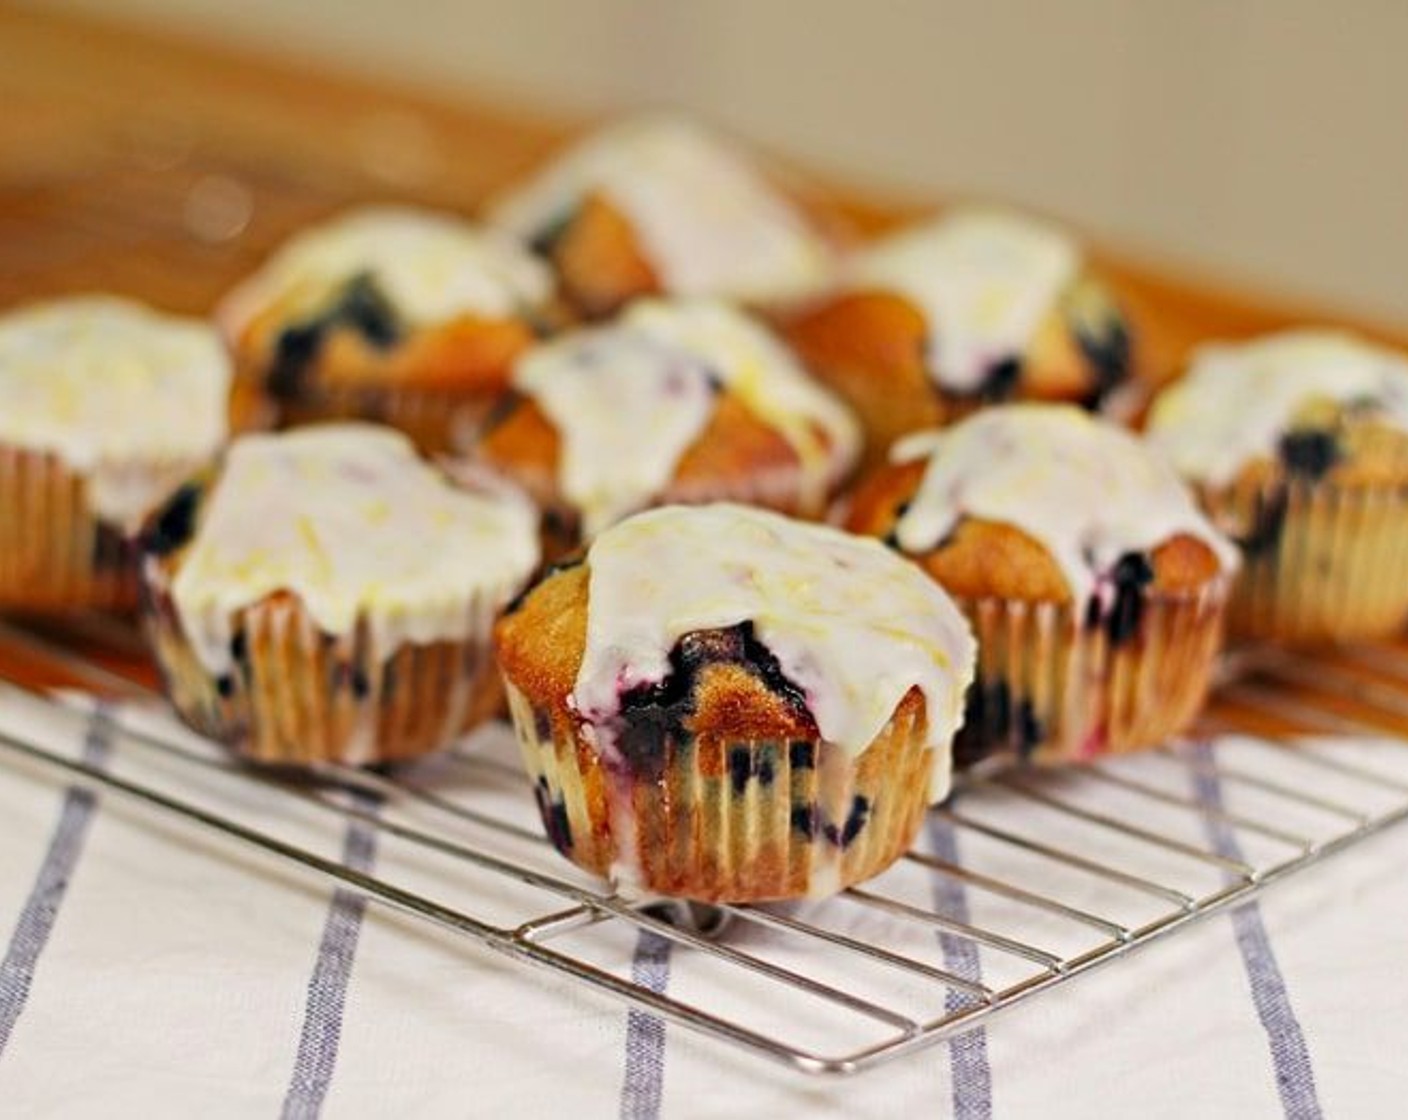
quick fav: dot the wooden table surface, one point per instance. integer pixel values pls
(154, 166)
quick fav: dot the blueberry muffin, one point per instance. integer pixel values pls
(1095, 586)
(977, 307)
(1297, 444)
(720, 703)
(408, 317)
(326, 595)
(105, 405)
(683, 401)
(658, 205)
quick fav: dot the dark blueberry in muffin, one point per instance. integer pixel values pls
(554, 814)
(1001, 381)
(804, 820)
(740, 768)
(892, 538)
(1265, 531)
(174, 525)
(1109, 353)
(503, 408)
(801, 755)
(545, 240)
(987, 719)
(361, 307)
(653, 714)
(843, 835)
(295, 351)
(364, 309)
(1132, 573)
(1309, 453)
(361, 686)
(1029, 729)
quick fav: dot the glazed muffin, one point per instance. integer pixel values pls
(328, 596)
(720, 703)
(408, 317)
(657, 205)
(1095, 586)
(105, 405)
(1297, 444)
(977, 307)
(682, 401)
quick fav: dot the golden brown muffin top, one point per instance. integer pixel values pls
(387, 294)
(351, 520)
(763, 628)
(128, 398)
(690, 399)
(1303, 405)
(657, 204)
(1041, 504)
(723, 684)
(979, 305)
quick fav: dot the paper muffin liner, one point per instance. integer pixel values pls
(438, 421)
(296, 695)
(1053, 686)
(1321, 562)
(55, 554)
(728, 820)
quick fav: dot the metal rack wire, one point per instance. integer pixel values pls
(1060, 873)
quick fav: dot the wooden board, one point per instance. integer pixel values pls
(145, 164)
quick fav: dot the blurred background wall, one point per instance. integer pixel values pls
(1261, 141)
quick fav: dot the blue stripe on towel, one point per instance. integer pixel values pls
(1290, 1057)
(41, 909)
(645, 1033)
(327, 987)
(969, 1067)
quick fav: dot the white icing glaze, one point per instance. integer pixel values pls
(854, 626)
(708, 223)
(128, 397)
(1087, 491)
(629, 399)
(1237, 401)
(350, 519)
(432, 267)
(983, 279)
(626, 407)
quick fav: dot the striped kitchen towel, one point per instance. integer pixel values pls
(152, 968)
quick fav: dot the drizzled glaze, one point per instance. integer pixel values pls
(431, 266)
(1237, 401)
(853, 626)
(127, 397)
(351, 520)
(708, 223)
(983, 280)
(629, 399)
(1087, 491)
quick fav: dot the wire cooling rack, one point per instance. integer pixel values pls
(1021, 883)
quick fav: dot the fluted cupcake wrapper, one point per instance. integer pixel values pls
(55, 554)
(1321, 561)
(1053, 686)
(728, 820)
(295, 695)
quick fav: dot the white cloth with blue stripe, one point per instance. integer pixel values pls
(152, 969)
